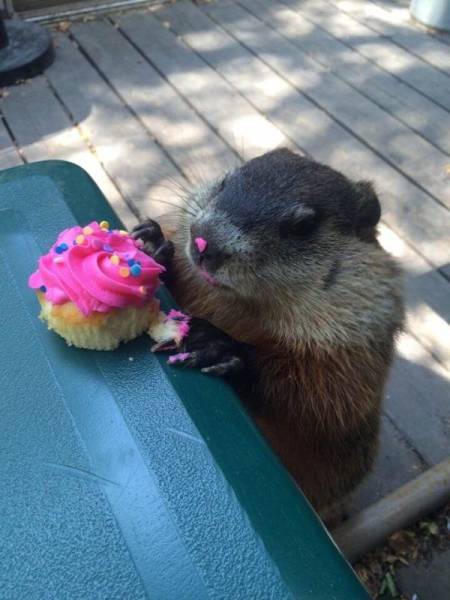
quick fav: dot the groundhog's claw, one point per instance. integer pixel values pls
(198, 344)
(155, 245)
(208, 349)
(231, 366)
(164, 346)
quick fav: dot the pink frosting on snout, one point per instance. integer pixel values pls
(98, 269)
(201, 244)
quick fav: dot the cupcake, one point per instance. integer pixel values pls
(96, 287)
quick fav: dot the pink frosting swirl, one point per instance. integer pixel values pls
(98, 269)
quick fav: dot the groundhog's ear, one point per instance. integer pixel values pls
(369, 211)
(299, 220)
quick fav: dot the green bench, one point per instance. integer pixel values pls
(121, 477)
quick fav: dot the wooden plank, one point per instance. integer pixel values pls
(407, 209)
(438, 288)
(52, 7)
(310, 33)
(269, 94)
(383, 52)
(423, 46)
(418, 400)
(233, 117)
(393, 3)
(140, 168)
(43, 131)
(326, 8)
(95, 35)
(395, 465)
(20, 5)
(445, 270)
(182, 18)
(9, 157)
(194, 146)
(411, 154)
(395, 22)
(393, 6)
(426, 293)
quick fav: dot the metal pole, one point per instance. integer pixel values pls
(405, 506)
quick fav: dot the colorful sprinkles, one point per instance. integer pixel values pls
(94, 265)
(134, 267)
(61, 248)
(136, 270)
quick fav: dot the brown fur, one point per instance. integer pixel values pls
(324, 336)
(321, 398)
(325, 427)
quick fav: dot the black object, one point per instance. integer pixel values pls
(26, 49)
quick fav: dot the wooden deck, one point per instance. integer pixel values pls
(143, 100)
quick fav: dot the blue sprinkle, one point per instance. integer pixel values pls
(59, 250)
(74, 242)
(107, 248)
(64, 246)
(131, 262)
(43, 288)
(136, 270)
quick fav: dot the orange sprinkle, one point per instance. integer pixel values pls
(80, 238)
(142, 290)
(115, 259)
(124, 271)
(104, 224)
(88, 230)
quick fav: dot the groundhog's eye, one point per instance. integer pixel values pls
(299, 222)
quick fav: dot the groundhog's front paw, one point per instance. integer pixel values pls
(155, 245)
(207, 348)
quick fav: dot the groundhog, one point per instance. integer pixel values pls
(296, 304)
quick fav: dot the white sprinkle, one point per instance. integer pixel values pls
(130, 358)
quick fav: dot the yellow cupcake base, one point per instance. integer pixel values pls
(98, 331)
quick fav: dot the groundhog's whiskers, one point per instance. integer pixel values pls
(177, 207)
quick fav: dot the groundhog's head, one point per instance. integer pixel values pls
(279, 220)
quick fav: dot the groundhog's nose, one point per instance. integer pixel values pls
(206, 252)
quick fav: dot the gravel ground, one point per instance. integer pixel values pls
(425, 540)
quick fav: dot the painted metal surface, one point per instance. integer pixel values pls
(122, 477)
